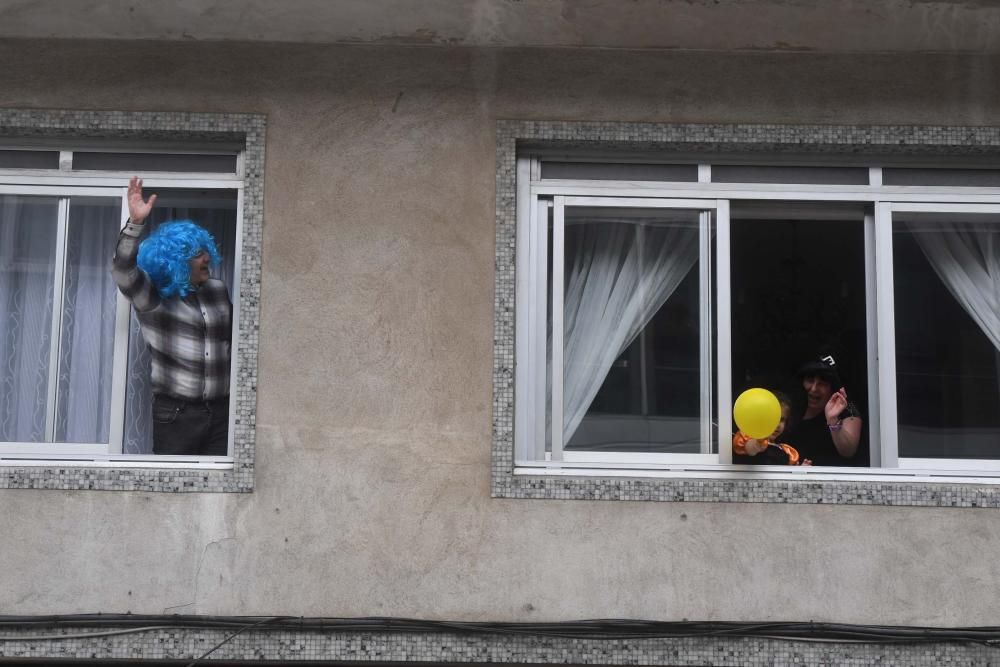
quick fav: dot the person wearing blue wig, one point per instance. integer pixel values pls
(166, 257)
(186, 318)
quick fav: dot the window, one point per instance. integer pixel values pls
(798, 291)
(626, 359)
(646, 301)
(76, 380)
(946, 285)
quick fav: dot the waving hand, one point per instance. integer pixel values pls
(138, 208)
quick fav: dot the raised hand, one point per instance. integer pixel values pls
(836, 405)
(138, 208)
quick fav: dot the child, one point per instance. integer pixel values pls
(767, 451)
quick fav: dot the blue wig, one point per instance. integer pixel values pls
(164, 256)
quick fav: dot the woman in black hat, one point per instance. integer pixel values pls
(830, 429)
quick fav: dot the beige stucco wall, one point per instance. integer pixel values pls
(372, 493)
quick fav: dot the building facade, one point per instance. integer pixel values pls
(376, 197)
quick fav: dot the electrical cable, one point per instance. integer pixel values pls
(85, 635)
(593, 629)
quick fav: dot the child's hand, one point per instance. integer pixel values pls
(753, 447)
(806, 462)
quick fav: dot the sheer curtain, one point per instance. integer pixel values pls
(221, 223)
(28, 228)
(966, 257)
(618, 274)
(86, 355)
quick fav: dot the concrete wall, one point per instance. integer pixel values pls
(966, 26)
(376, 355)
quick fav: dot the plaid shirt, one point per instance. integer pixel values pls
(189, 339)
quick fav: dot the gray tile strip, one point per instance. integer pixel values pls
(189, 644)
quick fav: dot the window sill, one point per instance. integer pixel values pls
(743, 472)
(167, 474)
(117, 461)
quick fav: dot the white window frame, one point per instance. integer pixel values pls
(536, 313)
(887, 336)
(536, 196)
(64, 184)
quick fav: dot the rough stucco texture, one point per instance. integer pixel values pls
(967, 26)
(372, 486)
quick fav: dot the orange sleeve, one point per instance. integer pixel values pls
(793, 454)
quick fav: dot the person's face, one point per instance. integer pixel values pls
(200, 264)
(818, 390)
(782, 423)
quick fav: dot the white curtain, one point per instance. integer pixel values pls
(86, 355)
(28, 242)
(220, 223)
(618, 274)
(966, 257)
(28, 228)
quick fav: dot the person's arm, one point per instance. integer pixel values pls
(846, 433)
(131, 281)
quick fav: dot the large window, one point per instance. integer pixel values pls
(75, 378)
(651, 293)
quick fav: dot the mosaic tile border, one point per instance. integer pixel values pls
(695, 138)
(202, 127)
(189, 644)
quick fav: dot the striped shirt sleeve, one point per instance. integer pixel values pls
(131, 280)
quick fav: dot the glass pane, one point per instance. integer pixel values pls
(798, 293)
(135, 162)
(969, 178)
(631, 331)
(87, 332)
(215, 210)
(11, 159)
(739, 173)
(947, 280)
(28, 230)
(602, 171)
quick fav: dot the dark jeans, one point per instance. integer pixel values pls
(190, 427)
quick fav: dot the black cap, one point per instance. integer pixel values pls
(825, 367)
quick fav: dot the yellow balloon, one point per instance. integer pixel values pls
(757, 412)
